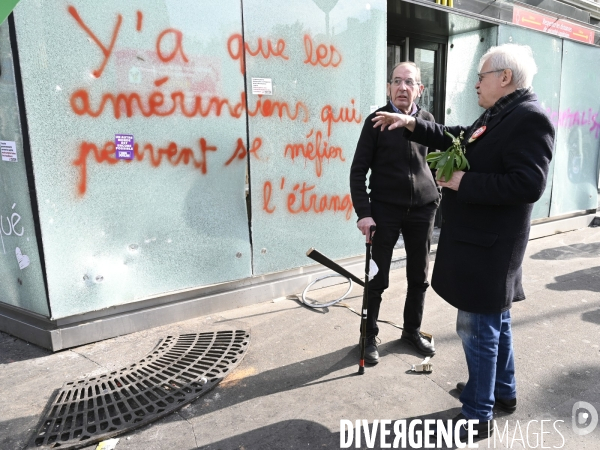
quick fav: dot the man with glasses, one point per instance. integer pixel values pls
(487, 215)
(403, 198)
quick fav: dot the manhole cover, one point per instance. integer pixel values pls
(179, 370)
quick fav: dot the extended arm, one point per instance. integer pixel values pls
(417, 130)
(432, 134)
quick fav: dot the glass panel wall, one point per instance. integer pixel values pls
(138, 119)
(464, 52)
(163, 208)
(547, 51)
(148, 120)
(578, 131)
(325, 65)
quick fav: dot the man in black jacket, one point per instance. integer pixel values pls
(487, 214)
(403, 198)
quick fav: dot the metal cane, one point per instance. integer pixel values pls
(365, 304)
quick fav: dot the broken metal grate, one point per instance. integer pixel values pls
(179, 370)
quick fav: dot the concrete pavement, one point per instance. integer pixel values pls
(297, 381)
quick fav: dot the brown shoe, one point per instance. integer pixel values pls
(506, 405)
(422, 345)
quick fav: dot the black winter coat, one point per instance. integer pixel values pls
(399, 173)
(486, 222)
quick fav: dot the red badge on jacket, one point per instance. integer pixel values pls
(478, 132)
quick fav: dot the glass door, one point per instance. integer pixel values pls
(430, 57)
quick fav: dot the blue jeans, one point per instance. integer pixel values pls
(487, 342)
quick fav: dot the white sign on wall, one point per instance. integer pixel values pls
(262, 86)
(9, 151)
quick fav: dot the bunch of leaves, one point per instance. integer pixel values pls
(451, 160)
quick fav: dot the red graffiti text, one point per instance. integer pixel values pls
(172, 153)
(315, 150)
(302, 200)
(267, 192)
(235, 47)
(328, 116)
(106, 51)
(158, 104)
(177, 48)
(240, 151)
(321, 55)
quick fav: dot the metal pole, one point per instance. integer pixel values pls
(365, 305)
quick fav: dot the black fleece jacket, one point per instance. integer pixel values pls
(399, 172)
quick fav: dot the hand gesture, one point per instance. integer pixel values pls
(393, 120)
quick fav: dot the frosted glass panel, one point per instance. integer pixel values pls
(577, 141)
(174, 217)
(464, 52)
(21, 280)
(547, 51)
(327, 68)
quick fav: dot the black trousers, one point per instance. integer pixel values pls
(416, 225)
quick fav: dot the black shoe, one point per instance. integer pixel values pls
(371, 353)
(422, 345)
(503, 404)
(481, 430)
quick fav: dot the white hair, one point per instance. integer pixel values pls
(517, 58)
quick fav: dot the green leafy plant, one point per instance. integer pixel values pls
(451, 160)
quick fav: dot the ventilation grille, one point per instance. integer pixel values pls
(179, 370)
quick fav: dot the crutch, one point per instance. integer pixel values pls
(365, 304)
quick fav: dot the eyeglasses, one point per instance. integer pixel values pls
(409, 82)
(480, 75)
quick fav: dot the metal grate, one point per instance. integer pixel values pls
(179, 370)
